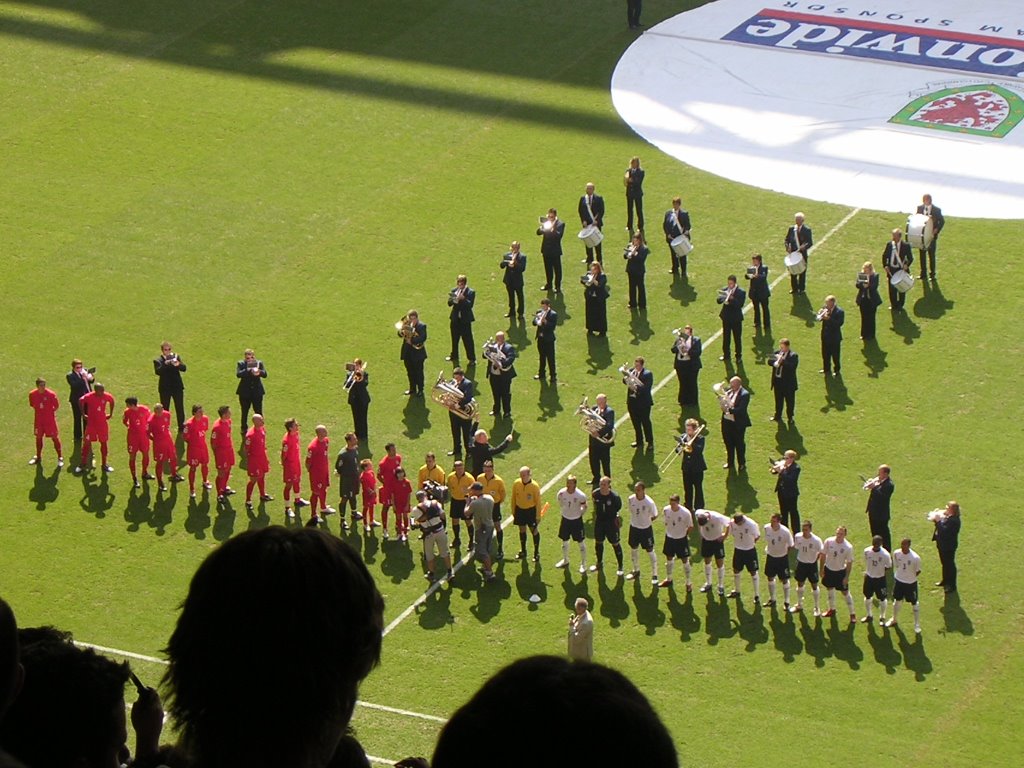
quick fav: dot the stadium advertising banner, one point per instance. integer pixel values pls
(865, 104)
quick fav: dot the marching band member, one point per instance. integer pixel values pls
(735, 420)
(459, 481)
(414, 352)
(636, 269)
(526, 511)
(938, 222)
(318, 455)
(906, 568)
(687, 349)
(759, 292)
(634, 181)
(250, 373)
(693, 466)
(836, 564)
(898, 255)
(643, 511)
(676, 223)
(678, 524)
(639, 402)
(947, 539)
(500, 375)
(136, 419)
(787, 489)
(868, 300)
(591, 210)
(97, 407)
(79, 380)
(731, 298)
(551, 230)
(197, 454)
(494, 487)
(461, 299)
(880, 489)
(359, 399)
(714, 528)
(876, 562)
(607, 523)
(784, 363)
(745, 534)
(799, 238)
(546, 321)
(44, 404)
(831, 335)
(514, 264)
(808, 547)
(573, 503)
(462, 429)
(598, 451)
(482, 450)
(169, 367)
(595, 299)
(778, 542)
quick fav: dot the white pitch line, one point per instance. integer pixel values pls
(572, 464)
(405, 712)
(119, 652)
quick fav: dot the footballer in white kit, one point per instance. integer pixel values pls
(678, 524)
(714, 528)
(778, 541)
(836, 565)
(906, 567)
(573, 503)
(808, 552)
(876, 562)
(642, 514)
(745, 535)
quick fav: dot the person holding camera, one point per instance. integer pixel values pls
(430, 520)
(169, 367)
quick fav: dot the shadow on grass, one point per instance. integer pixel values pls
(224, 522)
(96, 496)
(837, 397)
(801, 309)
(163, 509)
(784, 635)
(684, 618)
(529, 581)
(763, 346)
(44, 489)
(399, 559)
(740, 495)
(548, 402)
(682, 291)
(954, 616)
(639, 327)
(518, 336)
(258, 516)
(751, 628)
(903, 326)
(489, 595)
(874, 358)
(435, 612)
(718, 623)
(643, 468)
(815, 644)
(789, 438)
(844, 646)
(198, 521)
(881, 645)
(416, 417)
(932, 304)
(138, 512)
(612, 604)
(574, 589)
(599, 354)
(648, 608)
(914, 657)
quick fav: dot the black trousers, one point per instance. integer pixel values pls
(789, 512)
(761, 307)
(896, 299)
(414, 372)
(678, 263)
(789, 398)
(734, 437)
(797, 283)
(359, 414)
(179, 405)
(867, 321)
(637, 291)
(513, 295)
(546, 350)
(79, 418)
(930, 252)
(687, 385)
(501, 390)
(640, 416)
(553, 271)
(880, 527)
(633, 8)
(947, 557)
(693, 488)
(631, 201)
(595, 251)
(732, 330)
(462, 432)
(600, 459)
(463, 331)
(255, 403)
(830, 354)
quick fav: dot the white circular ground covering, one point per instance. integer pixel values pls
(868, 104)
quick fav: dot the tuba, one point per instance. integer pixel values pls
(448, 395)
(495, 356)
(631, 378)
(593, 424)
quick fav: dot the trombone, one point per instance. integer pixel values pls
(684, 444)
(354, 376)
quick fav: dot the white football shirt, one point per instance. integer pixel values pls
(779, 542)
(876, 563)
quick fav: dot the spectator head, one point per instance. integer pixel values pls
(11, 672)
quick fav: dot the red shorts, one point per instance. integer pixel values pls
(321, 483)
(97, 432)
(46, 428)
(197, 455)
(164, 450)
(225, 457)
(387, 495)
(291, 474)
(138, 443)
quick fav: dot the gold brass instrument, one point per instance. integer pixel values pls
(448, 395)
(354, 376)
(407, 330)
(684, 444)
(862, 279)
(592, 423)
(775, 466)
(631, 378)
(823, 314)
(495, 356)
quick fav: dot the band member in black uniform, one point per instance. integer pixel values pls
(600, 451)
(694, 467)
(897, 255)
(169, 368)
(552, 229)
(595, 299)
(250, 373)
(414, 351)
(500, 374)
(938, 222)
(735, 420)
(880, 489)
(591, 210)
(687, 349)
(347, 467)
(79, 380)
(514, 264)
(868, 300)
(731, 298)
(757, 274)
(784, 385)
(482, 451)
(636, 269)
(607, 523)
(357, 382)
(461, 299)
(634, 181)
(787, 489)
(799, 238)
(546, 321)
(832, 318)
(639, 403)
(947, 539)
(462, 429)
(676, 223)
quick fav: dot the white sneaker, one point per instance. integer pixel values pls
(917, 629)
(289, 513)
(562, 563)
(619, 573)
(33, 461)
(60, 461)
(583, 569)
(107, 468)
(329, 510)
(655, 579)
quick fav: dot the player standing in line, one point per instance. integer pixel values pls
(291, 467)
(808, 550)
(403, 502)
(386, 468)
(197, 454)
(164, 452)
(906, 569)
(459, 482)
(98, 407)
(678, 524)
(318, 468)
(876, 562)
(526, 511)
(745, 533)
(136, 419)
(257, 462)
(223, 452)
(607, 523)
(643, 511)
(836, 565)
(44, 403)
(714, 528)
(573, 503)
(368, 482)
(778, 541)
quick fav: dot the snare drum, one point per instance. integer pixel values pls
(591, 236)
(920, 231)
(681, 245)
(795, 263)
(902, 281)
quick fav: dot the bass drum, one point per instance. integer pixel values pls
(920, 231)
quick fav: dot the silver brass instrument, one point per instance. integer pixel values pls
(869, 484)
(353, 375)
(723, 295)
(721, 390)
(592, 423)
(862, 279)
(448, 395)
(497, 358)
(684, 444)
(631, 378)
(775, 466)
(935, 515)
(587, 280)
(823, 314)
(546, 224)
(457, 294)
(681, 338)
(540, 316)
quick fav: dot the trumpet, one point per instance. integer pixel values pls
(545, 223)
(456, 295)
(681, 338)
(354, 376)
(823, 314)
(540, 316)
(587, 280)
(448, 395)
(775, 466)
(684, 444)
(869, 484)
(935, 515)
(723, 295)
(631, 378)
(592, 423)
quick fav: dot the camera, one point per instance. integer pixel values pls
(436, 491)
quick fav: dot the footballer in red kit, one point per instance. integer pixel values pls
(319, 471)
(196, 453)
(136, 419)
(291, 466)
(223, 451)
(257, 461)
(164, 452)
(402, 496)
(44, 404)
(98, 407)
(386, 469)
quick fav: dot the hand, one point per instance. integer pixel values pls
(148, 722)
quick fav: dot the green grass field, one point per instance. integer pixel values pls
(295, 176)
